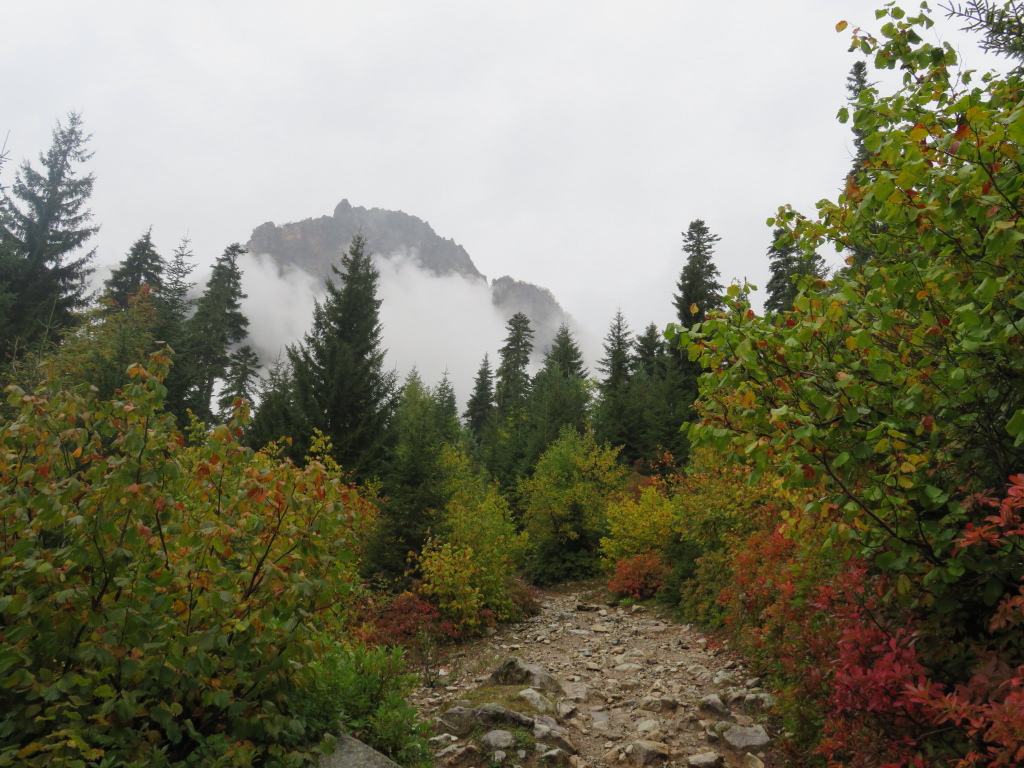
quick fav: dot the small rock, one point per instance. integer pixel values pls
(713, 704)
(457, 721)
(659, 704)
(648, 726)
(576, 691)
(492, 714)
(704, 760)
(515, 671)
(554, 757)
(497, 739)
(702, 643)
(566, 709)
(645, 752)
(744, 738)
(752, 761)
(535, 700)
(600, 628)
(498, 756)
(628, 667)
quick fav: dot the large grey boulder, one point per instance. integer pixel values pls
(352, 753)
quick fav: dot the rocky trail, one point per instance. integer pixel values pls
(585, 684)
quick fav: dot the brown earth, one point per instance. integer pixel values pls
(632, 688)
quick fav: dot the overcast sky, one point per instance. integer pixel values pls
(564, 143)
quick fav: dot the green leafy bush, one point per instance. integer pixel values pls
(157, 601)
(566, 498)
(364, 691)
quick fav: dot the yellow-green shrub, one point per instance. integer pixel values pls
(468, 567)
(639, 526)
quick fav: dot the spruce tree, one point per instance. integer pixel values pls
(616, 415)
(44, 222)
(241, 380)
(480, 407)
(216, 327)
(412, 482)
(699, 289)
(447, 408)
(173, 309)
(340, 384)
(143, 266)
(856, 83)
(558, 398)
(513, 384)
(275, 415)
(662, 391)
(507, 444)
(787, 264)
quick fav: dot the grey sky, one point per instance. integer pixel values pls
(564, 143)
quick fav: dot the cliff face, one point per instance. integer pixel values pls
(315, 244)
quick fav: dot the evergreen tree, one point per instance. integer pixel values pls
(648, 350)
(412, 482)
(43, 222)
(857, 83)
(506, 447)
(513, 383)
(787, 263)
(480, 407)
(447, 407)
(275, 415)
(173, 309)
(143, 266)
(1002, 25)
(662, 391)
(241, 381)
(340, 383)
(559, 397)
(699, 289)
(217, 325)
(616, 416)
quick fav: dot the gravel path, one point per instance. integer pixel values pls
(636, 689)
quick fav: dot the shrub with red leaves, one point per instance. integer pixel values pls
(638, 577)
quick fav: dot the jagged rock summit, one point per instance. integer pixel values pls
(313, 245)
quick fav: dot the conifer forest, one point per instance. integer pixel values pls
(212, 559)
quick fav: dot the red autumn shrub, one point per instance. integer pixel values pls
(407, 619)
(638, 577)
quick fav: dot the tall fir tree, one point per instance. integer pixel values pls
(275, 415)
(699, 291)
(340, 385)
(559, 397)
(44, 222)
(513, 377)
(173, 308)
(616, 415)
(142, 266)
(413, 484)
(861, 252)
(447, 407)
(241, 380)
(661, 392)
(217, 326)
(787, 263)
(506, 447)
(480, 407)
(856, 84)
